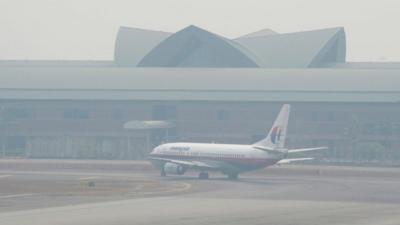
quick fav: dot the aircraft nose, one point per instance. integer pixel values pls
(154, 151)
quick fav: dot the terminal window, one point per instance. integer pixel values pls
(164, 112)
(76, 114)
(222, 115)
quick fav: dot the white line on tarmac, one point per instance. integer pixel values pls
(89, 178)
(186, 186)
(116, 174)
(15, 196)
(5, 176)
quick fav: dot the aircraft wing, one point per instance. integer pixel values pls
(286, 161)
(196, 164)
(306, 149)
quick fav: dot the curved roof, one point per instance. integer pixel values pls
(132, 44)
(263, 32)
(298, 50)
(195, 47)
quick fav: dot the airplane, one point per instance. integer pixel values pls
(177, 158)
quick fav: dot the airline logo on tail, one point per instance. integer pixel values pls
(276, 134)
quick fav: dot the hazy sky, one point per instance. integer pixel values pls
(86, 29)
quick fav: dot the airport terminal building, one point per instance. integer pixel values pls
(196, 86)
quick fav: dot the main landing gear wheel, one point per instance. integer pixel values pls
(163, 173)
(233, 176)
(203, 176)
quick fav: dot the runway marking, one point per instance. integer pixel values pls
(186, 186)
(5, 176)
(15, 196)
(138, 187)
(89, 178)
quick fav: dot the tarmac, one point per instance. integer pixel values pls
(41, 192)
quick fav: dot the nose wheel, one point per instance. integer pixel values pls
(203, 175)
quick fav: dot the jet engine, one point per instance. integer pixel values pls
(172, 168)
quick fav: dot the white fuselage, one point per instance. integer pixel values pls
(239, 157)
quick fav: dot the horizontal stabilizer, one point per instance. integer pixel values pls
(267, 149)
(286, 161)
(264, 148)
(306, 149)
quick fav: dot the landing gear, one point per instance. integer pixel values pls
(203, 175)
(163, 173)
(233, 176)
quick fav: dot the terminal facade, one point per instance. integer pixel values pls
(197, 86)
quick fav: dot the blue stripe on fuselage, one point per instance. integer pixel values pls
(240, 164)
